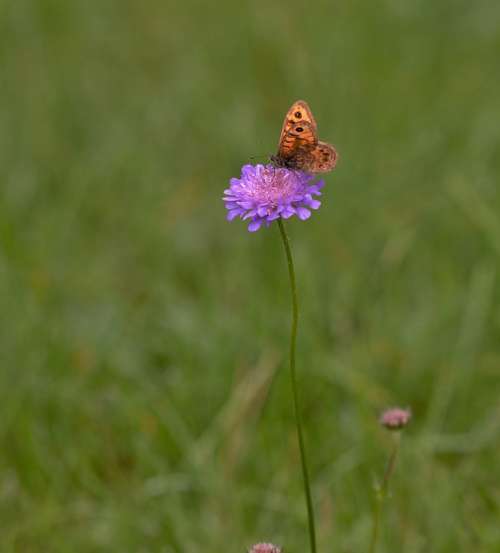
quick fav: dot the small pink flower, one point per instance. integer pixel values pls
(395, 418)
(265, 548)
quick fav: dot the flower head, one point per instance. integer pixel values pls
(265, 193)
(265, 548)
(395, 418)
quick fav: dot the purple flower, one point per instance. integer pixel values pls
(395, 418)
(265, 548)
(265, 193)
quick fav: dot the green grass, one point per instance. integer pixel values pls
(145, 399)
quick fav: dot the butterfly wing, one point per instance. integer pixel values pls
(300, 136)
(322, 158)
(299, 112)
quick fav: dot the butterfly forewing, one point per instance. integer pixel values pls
(299, 135)
(298, 113)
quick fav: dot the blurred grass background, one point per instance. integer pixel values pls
(144, 392)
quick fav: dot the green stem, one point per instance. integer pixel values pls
(382, 491)
(293, 378)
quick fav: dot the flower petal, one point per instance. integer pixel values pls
(303, 213)
(255, 225)
(233, 214)
(314, 204)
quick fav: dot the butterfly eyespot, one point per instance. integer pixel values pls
(298, 115)
(299, 129)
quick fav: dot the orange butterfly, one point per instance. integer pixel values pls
(299, 147)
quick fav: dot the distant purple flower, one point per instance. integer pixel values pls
(395, 418)
(265, 193)
(265, 548)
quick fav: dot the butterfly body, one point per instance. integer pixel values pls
(299, 147)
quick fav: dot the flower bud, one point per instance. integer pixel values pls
(265, 548)
(395, 418)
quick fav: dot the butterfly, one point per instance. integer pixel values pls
(299, 147)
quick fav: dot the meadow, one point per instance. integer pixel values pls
(145, 399)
